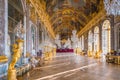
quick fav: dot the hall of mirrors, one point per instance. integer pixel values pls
(59, 39)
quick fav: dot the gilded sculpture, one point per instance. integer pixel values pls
(16, 53)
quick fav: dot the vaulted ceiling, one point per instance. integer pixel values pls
(61, 16)
(67, 15)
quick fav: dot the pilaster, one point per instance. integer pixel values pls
(3, 26)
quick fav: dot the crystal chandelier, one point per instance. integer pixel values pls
(112, 7)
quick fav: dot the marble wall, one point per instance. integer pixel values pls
(3, 26)
(3, 34)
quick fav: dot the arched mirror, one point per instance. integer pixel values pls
(106, 41)
(96, 39)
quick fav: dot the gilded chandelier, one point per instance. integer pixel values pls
(112, 7)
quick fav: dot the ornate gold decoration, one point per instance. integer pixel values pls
(3, 59)
(70, 13)
(93, 22)
(54, 52)
(66, 17)
(78, 50)
(16, 55)
(97, 54)
(33, 15)
(90, 54)
(40, 8)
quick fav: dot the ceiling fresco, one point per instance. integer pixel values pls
(66, 15)
(63, 16)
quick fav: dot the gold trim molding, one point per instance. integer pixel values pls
(3, 59)
(101, 15)
(39, 7)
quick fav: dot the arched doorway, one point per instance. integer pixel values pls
(96, 39)
(90, 41)
(106, 41)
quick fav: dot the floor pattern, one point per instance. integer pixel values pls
(73, 67)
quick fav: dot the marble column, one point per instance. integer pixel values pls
(25, 36)
(100, 35)
(112, 33)
(46, 35)
(36, 33)
(30, 37)
(3, 34)
(37, 43)
(3, 26)
(27, 30)
(86, 41)
(42, 36)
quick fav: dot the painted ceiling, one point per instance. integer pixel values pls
(67, 15)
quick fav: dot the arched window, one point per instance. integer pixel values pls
(106, 37)
(90, 40)
(96, 39)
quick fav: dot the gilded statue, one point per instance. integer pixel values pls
(14, 57)
(16, 54)
(17, 50)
